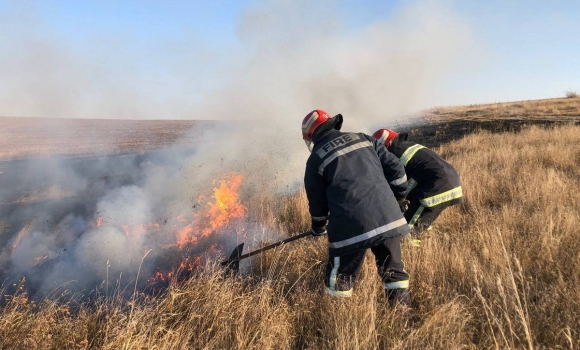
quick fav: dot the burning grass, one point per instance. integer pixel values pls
(500, 271)
(104, 249)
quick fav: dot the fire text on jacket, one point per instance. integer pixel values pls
(337, 142)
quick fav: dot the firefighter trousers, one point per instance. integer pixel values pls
(420, 218)
(342, 271)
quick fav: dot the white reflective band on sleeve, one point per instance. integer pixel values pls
(370, 234)
(409, 153)
(399, 181)
(342, 152)
(455, 193)
(397, 285)
(338, 293)
(319, 218)
(334, 273)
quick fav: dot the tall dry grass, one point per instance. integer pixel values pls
(500, 271)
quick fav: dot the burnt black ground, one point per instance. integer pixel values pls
(433, 134)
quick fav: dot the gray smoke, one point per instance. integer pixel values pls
(371, 75)
(102, 214)
(292, 57)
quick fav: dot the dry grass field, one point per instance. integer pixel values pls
(500, 271)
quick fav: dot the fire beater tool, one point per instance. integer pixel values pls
(233, 263)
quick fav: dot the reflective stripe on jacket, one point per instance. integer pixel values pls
(432, 180)
(354, 180)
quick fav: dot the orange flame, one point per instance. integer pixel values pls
(217, 214)
(223, 207)
(226, 206)
(187, 265)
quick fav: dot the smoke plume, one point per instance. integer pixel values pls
(290, 57)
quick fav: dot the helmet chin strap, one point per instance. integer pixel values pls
(309, 145)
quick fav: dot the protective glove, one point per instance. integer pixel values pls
(318, 227)
(403, 204)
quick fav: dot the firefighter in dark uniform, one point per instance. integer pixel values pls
(433, 184)
(353, 183)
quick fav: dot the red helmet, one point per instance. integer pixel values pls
(312, 121)
(385, 136)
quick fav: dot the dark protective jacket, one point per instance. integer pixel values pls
(432, 180)
(353, 180)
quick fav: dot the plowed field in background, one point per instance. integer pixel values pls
(22, 138)
(33, 137)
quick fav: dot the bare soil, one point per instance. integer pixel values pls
(22, 138)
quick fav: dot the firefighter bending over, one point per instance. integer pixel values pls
(433, 183)
(353, 182)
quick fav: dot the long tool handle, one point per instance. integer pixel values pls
(268, 247)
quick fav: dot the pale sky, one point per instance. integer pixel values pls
(222, 59)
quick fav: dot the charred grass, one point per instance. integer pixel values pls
(444, 124)
(549, 109)
(499, 271)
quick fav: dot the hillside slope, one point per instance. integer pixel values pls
(443, 124)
